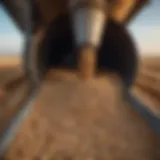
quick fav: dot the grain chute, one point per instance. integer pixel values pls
(74, 34)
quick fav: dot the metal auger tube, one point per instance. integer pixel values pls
(88, 18)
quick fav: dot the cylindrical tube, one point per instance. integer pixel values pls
(88, 19)
(88, 26)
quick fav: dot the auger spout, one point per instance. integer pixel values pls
(88, 18)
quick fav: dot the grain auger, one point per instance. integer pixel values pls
(47, 25)
(83, 35)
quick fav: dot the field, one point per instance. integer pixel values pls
(147, 89)
(147, 86)
(9, 61)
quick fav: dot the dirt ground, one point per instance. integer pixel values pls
(83, 134)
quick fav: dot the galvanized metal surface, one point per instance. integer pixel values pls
(144, 112)
(88, 26)
(10, 132)
(15, 105)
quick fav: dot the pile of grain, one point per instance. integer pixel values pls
(83, 121)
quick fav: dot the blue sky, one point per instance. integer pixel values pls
(145, 29)
(11, 39)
